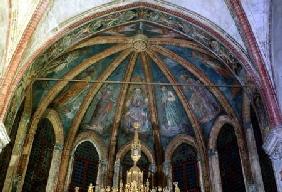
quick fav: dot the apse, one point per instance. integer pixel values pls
(177, 81)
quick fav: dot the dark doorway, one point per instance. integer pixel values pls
(40, 158)
(264, 161)
(185, 168)
(229, 161)
(85, 167)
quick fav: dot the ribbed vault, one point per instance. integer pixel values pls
(142, 72)
(138, 61)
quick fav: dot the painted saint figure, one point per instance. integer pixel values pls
(102, 111)
(202, 102)
(168, 101)
(137, 110)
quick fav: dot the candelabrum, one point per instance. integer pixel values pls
(134, 177)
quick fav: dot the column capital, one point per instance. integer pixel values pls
(153, 167)
(4, 137)
(273, 143)
(212, 152)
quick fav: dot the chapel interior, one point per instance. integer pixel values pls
(140, 96)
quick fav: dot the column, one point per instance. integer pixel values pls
(116, 174)
(55, 164)
(273, 147)
(4, 137)
(167, 169)
(102, 170)
(254, 160)
(214, 170)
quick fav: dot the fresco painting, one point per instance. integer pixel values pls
(172, 118)
(202, 102)
(215, 71)
(102, 109)
(137, 110)
(68, 108)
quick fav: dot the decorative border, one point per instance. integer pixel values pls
(146, 12)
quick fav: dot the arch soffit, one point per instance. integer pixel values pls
(125, 148)
(218, 124)
(95, 139)
(217, 35)
(177, 141)
(54, 118)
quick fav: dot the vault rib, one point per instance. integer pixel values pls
(118, 114)
(179, 43)
(83, 108)
(193, 119)
(53, 92)
(101, 40)
(200, 75)
(159, 154)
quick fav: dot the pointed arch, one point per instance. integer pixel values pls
(101, 149)
(220, 122)
(55, 120)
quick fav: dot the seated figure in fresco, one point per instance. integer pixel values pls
(137, 112)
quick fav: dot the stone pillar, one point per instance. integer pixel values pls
(273, 147)
(167, 169)
(153, 170)
(4, 137)
(214, 171)
(116, 174)
(254, 159)
(55, 164)
(102, 171)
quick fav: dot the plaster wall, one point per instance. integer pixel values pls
(277, 47)
(4, 20)
(63, 12)
(21, 13)
(258, 12)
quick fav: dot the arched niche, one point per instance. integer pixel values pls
(213, 153)
(100, 147)
(85, 166)
(225, 160)
(41, 155)
(230, 166)
(123, 153)
(173, 146)
(54, 118)
(124, 149)
(185, 169)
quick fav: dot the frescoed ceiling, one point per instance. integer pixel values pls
(140, 72)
